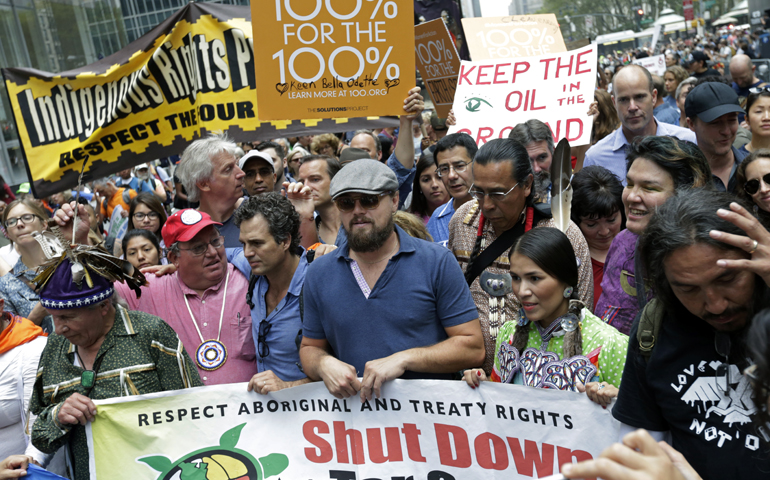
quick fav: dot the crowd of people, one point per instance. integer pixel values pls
(361, 257)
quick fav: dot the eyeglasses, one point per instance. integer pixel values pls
(262, 347)
(369, 202)
(458, 167)
(25, 219)
(766, 88)
(752, 186)
(140, 216)
(494, 196)
(199, 250)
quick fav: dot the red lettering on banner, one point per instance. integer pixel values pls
(565, 455)
(322, 453)
(526, 101)
(530, 460)
(461, 446)
(341, 435)
(516, 70)
(464, 74)
(532, 103)
(484, 453)
(487, 132)
(498, 73)
(412, 436)
(569, 133)
(374, 440)
(479, 74)
(547, 62)
(578, 71)
(571, 122)
(502, 132)
(568, 66)
(508, 102)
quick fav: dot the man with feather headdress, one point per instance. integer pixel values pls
(99, 349)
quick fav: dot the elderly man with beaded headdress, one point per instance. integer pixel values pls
(100, 349)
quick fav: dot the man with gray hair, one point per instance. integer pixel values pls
(538, 140)
(401, 161)
(210, 174)
(634, 96)
(407, 311)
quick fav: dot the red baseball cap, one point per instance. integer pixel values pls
(183, 225)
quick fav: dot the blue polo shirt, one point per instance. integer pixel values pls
(285, 322)
(421, 292)
(610, 151)
(438, 225)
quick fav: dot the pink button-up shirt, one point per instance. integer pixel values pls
(164, 298)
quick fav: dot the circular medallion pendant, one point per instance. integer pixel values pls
(211, 355)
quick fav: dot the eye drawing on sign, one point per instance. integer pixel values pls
(735, 404)
(473, 104)
(221, 462)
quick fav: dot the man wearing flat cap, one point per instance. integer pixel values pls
(386, 304)
(712, 110)
(100, 350)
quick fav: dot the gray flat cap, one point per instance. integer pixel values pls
(364, 176)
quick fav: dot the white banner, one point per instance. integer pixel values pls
(427, 430)
(655, 65)
(493, 96)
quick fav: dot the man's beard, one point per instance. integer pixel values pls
(369, 241)
(542, 183)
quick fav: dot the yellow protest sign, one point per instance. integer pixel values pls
(192, 74)
(329, 59)
(497, 38)
(438, 63)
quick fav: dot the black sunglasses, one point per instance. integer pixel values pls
(752, 186)
(262, 347)
(369, 202)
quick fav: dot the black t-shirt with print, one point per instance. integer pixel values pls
(678, 391)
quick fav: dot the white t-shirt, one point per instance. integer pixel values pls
(10, 255)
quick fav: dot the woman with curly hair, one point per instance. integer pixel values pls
(325, 144)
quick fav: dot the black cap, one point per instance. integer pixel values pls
(709, 101)
(698, 55)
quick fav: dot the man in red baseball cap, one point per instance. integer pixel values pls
(204, 301)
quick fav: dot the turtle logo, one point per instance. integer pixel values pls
(223, 462)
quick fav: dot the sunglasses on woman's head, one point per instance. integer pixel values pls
(752, 186)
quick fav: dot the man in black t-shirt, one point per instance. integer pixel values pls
(698, 65)
(692, 385)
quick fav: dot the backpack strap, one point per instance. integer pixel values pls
(651, 313)
(649, 327)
